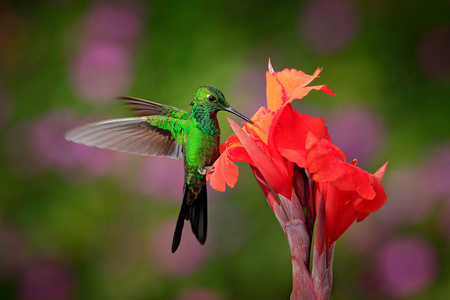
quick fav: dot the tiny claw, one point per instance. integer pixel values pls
(206, 169)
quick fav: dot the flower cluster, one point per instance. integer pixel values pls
(305, 178)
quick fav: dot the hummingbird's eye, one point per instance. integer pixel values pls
(211, 98)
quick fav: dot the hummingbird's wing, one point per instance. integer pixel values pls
(148, 108)
(132, 135)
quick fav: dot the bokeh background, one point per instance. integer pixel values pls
(84, 223)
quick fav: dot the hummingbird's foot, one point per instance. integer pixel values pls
(206, 169)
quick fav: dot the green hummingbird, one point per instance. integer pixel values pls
(163, 130)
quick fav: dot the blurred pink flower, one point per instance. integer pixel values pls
(358, 132)
(433, 53)
(329, 26)
(435, 174)
(101, 71)
(112, 22)
(102, 67)
(54, 152)
(37, 145)
(188, 258)
(198, 294)
(410, 201)
(250, 90)
(48, 281)
(406, 266)
(162, 177)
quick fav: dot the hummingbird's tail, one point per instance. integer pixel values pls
(197, 214)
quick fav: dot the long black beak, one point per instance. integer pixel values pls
(235, 112)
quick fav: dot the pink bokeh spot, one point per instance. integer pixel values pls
(163, 177)
(101, 71)
(436, 172)
(358, 132)
(47, 282)
(407, 201)
(189, 257)
(406, 266)
(251, 90)
(198, 294)
(44, 147)
(329, 25)
(116, 23)
(102, 67)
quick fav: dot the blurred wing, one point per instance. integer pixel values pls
(148, 108)
(132, 135)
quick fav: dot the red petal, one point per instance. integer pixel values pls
(368, 206)
(236, 151)
(339, 213)
(293, 80)
(380, 172)
(266, 144)
(225, 172)
(274, 91)
(263, 123)
(240, 154)
(327, 163)
(342, 208)
(222, 147)
(302, 92)
(271, 172)
(290, 136)
(289, 84)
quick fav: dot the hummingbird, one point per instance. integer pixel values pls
(163, 130)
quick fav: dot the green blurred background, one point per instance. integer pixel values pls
(85, 223)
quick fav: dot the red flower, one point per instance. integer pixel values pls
(305, 178)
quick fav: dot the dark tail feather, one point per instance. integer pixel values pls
(180, 223)
(197, 214)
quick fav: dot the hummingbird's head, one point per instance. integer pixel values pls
(210, 97)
